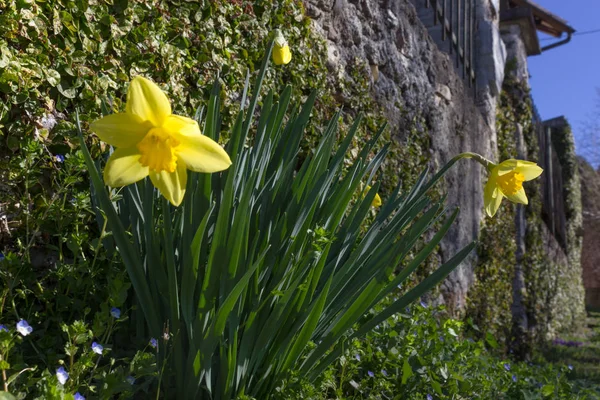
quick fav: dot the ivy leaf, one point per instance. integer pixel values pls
(69, 93)
(53, 77)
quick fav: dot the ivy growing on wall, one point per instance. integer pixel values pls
(553, 294)
(570, 294)
(490, 298)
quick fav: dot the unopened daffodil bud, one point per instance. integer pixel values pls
(281, 51)
(376, 200)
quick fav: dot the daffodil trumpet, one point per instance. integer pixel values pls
(151, 141)
(505, 180)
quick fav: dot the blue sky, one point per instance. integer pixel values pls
(564, 79)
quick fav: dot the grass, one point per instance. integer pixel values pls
(581, 351)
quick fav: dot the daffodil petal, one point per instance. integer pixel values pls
(519, 197)
(492, 197)
(171, 184)
(287, 55)
(179, 125)
(121, 130)
(202, 154)
(506, 166)
(123, 168)
(529, 171)
(146, 100)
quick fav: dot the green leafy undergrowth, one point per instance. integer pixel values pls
(422, 354)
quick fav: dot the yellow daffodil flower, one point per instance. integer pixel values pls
(150, 141)
(376, 200)
(281, 51)
(506, 179)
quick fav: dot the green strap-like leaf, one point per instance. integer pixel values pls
(131, 260)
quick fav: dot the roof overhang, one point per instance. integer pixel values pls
(532, 18)
(523, 17)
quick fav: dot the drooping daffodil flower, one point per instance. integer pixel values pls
(376, 200)
(506, 180)
(281, 51)
(151, 141)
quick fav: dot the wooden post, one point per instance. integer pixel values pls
(549, 180)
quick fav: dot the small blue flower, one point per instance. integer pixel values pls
(115, 312)
(153, 343)
(78, 396)
(130, 379)
(3, 328)
(423, 304)
(570, 367)
(23, 328)
(384, 372)
(507, 367)
(97, 348)
(59, 158)
(2, 257)
(429, 397)
(62, 375)
(357, 356)
(514, 378)
(370, 373)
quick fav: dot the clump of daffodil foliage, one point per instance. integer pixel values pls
(250, 228)
(260, 267)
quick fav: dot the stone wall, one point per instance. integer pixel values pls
(412, 80)
(489, 51)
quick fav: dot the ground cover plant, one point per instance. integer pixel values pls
(420, 353)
